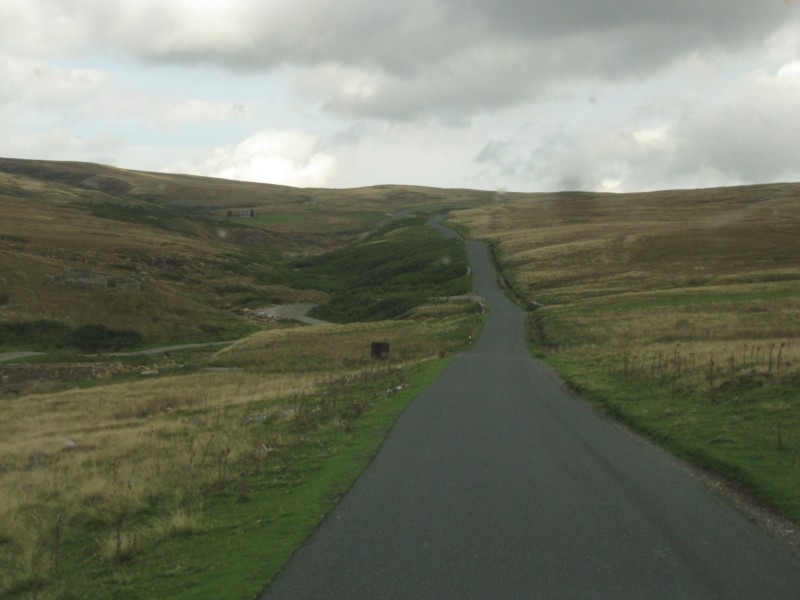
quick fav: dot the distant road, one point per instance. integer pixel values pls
(437, 223)
(294, 312)
(498, 484)
(165, 349)
(6, 356)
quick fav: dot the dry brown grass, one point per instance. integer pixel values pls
(709, 269)
(680, 310)
(47, 234)
(341, 347)
(51, 224)
(559, 248)
(133, 463)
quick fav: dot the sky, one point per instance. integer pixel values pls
(513, 95)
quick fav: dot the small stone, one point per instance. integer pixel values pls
(259, 418)
(262, 452)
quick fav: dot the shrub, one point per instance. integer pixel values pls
(383, 279)
(41, 332)
(99, 338)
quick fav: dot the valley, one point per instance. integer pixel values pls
(167, 412)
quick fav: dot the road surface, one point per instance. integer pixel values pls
(496, 483)
(295, 312)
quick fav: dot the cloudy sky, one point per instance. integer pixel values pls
(521, 95)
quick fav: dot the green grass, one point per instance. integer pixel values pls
(229, 533)
(387, 275)
(251, 530)
(746, 428)
(168, 466)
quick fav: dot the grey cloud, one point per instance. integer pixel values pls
(506, 159)
(450, 94)
(452, 58)
(748, 142)
(493, 152)
(403, 37)
(443, 58)
(745, 136)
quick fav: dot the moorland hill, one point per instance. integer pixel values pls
(172, 257)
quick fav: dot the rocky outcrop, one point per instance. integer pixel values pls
(109, 185)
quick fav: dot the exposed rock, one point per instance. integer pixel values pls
(257, 315)
(262, 452)
(109, 185)
(259, 418)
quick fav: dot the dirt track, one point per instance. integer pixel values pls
(294, 312)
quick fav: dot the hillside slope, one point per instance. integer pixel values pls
(172, 257)
(678, 310)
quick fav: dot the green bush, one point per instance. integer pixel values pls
(39, 333)
(385, 277)
(99, 338)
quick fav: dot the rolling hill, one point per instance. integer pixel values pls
(172, 257)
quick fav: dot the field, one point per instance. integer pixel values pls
(677, 311)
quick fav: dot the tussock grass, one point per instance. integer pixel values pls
(143, 449)
(100, 486)
(342, 347)
(678, 310)
(95, 483)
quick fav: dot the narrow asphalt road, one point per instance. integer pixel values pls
(498, 484)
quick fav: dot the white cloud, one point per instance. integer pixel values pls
(59, 143)
(176, 114)
(39, 83)
(442, 92)
(790, 71)
(43, 28)
(749, 134)
(652, 137)
(413, 59)
(281, 157)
